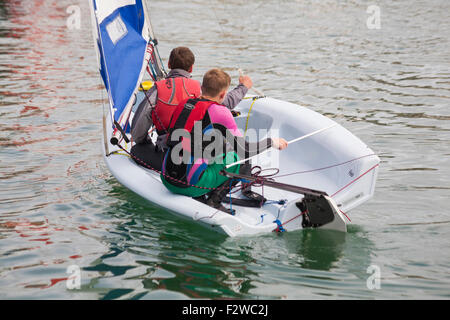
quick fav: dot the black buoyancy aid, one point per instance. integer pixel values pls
(184, 117)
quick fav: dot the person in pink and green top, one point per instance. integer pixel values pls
(199, 127)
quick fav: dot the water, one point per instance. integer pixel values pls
(60, 206)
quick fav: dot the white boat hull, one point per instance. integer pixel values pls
(349, 182)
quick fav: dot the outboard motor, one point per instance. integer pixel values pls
(316, 211)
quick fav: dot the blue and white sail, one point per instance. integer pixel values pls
(126, 47)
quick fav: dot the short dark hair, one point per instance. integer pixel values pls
(214, 81)
(181, 58)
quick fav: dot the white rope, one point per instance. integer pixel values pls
(290, 142)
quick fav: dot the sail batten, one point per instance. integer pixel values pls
(125, 47)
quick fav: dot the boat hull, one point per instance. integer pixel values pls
(349, 184)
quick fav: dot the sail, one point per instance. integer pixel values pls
(126, 48)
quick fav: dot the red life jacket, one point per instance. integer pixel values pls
(171, 92)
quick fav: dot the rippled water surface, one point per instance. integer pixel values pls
(60, 206)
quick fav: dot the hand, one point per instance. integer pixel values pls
(246, 81)
(279, 144)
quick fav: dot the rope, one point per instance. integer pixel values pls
(146, 165)
(289, 143)
(349, 184)
(120, 154)
(340, 190)
(281, 225)
(325, 168)
(231, 200)
(280, 228)
(153, 51)
(154, 109)
(345, 215)
(248, 116)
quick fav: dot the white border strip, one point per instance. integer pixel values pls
(106, 7)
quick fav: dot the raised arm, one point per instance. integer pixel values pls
(235, 96)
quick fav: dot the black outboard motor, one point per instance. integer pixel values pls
(317, 211)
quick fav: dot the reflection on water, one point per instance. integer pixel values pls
(155, 252)
(61, 207)
(319, 250)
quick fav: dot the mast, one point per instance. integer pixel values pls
(156, 58)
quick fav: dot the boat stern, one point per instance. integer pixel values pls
(312, 212)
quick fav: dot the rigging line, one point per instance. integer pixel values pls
(241, 73)
(248, 116)
(153, 109)
(345, 215)
(207, 217)
(325, 168)
(144, 164)
(217, 19)
(312, 134)
(290, 142)
(155, 46)
(352, 182)
(302, 214)
(105, 134)
(298, 216)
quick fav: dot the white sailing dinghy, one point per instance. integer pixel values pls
(324, 173)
